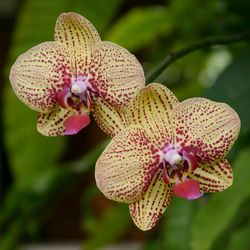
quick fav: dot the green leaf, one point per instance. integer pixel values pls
(176, 225)
(233, 87)
(152, 244)
(140, 26)
(97, 11)
(27, 202)
(30, 153)
(240, 239)
(214, 217)
(114, 222)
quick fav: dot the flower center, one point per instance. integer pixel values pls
(80, 85)
(172, 157)
(176, 165)
(78, 95)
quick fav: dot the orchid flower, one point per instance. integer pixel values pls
(67, 78)
(168, 148)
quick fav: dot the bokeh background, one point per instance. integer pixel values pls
(47, 188)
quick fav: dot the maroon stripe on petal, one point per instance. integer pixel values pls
(205, 128)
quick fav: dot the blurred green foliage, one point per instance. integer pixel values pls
(233, 86)
(134, 31)
(217, 215)
(178, 222)
(215, 222)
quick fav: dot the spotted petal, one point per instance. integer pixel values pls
(205, 128)
(79, 36)
(152, 108)
(123, 171)
(38, 74)
(215, 178)
(61, 122)
(118, 74)
(110, 119)
(147, 211)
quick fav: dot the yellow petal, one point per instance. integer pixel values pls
(110, 119)
(146, 212)
(152, 109)
(79, 36)
(118, 74)
(215, 178)
(52, 124)
(123, 171)
(36, 76)
(205, 128)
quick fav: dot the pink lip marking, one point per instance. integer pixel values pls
(188, 189)
(75, 123)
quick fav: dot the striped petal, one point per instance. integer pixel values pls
(61, 122)
(38, 74)
(78, 35)
(152, 108)
(215, 178)
(205, 128)
(118, 74)
(111, 120)
(146, 212)
(123, 171)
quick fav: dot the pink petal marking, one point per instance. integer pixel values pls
(63, 97)
(75, 123)
(192, 162)
(188, 189)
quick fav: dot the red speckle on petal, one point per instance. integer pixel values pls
(75, 123)
(188, 189)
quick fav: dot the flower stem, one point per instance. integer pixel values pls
(207, 42)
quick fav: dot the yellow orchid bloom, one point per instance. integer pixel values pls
(164, 147)
(64, 79)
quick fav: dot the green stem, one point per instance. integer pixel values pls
(207, 42)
